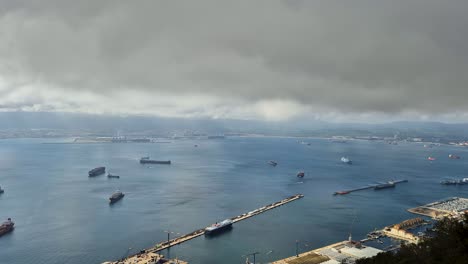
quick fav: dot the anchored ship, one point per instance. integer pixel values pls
(216, 137)
(341, 193)
(116, 197)
(455, 182)
(97, 171)
(6, 227)
(147, 160)
(449, 182)
(218, 227)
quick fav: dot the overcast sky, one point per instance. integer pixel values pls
(273, 60)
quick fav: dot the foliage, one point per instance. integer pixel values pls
(449, 245)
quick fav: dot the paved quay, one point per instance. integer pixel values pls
(178, 240)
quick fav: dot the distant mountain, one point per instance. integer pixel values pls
(112, 125)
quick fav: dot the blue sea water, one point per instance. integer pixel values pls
(63, 216)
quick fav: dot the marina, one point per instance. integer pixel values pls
(454, 206)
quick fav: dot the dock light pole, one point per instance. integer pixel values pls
(252, 254)
(169, 235)
(297, 248)
(126, 253)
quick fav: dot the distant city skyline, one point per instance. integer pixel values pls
(364, 61)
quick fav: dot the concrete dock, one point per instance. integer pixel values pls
(150, 258)
(370, 186)
(178, 240)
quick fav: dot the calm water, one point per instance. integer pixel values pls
(62, 216)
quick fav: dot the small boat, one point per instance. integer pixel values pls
(272, 163)
(1, 190)
(300, 174)
(112, 176)
(346, 160)
(116, 197)
(431, 158)
(451, 156)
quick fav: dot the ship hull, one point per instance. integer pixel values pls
(113, 200)
(6, 230)
(384, 186)
(218, 230)
(97, 172)
(155, 162)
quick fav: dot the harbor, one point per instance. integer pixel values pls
(199, 232)
(205, 185)
(349, 251)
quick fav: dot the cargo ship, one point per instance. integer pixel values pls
(116, 197)
(384, 186)
(341, 193)
(455, 182)
(463, 181)
(300, 174)
(346, 160)
(216, 137)
(218, 227)
(272, 163)
(97, 171)
(6, 227)
(449, 182)
(147, 160)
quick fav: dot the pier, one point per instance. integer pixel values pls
(178, 240)
(370, 186)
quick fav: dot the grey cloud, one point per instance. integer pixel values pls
(356, 56)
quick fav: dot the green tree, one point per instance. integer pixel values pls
(449, 245)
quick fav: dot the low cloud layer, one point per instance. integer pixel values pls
(238, 59)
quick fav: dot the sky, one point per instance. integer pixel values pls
(341, 61)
